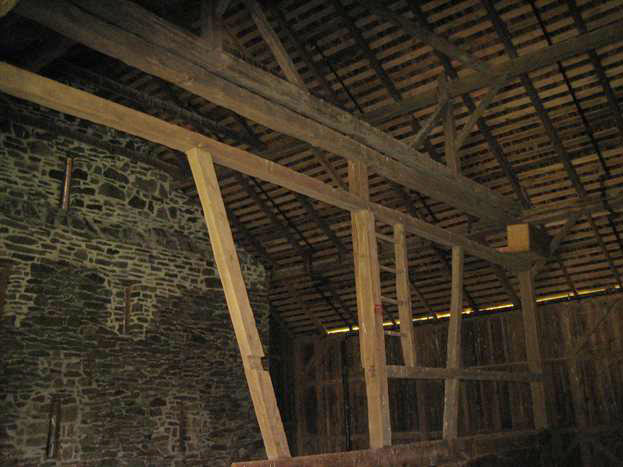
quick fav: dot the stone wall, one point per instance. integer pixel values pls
(112, 310)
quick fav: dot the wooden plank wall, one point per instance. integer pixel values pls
(584, 336)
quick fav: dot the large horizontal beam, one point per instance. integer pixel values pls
(468, 374)
(424, 453)
(49, 93)
(132, 34)
(510, 69)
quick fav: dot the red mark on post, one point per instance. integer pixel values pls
(378, 308)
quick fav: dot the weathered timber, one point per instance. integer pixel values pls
(158, 48)
(370, 311)
(420, 454)
(403, 294)
(240, 312)
(532, 331)
(454, 358)
(466, 374)
(48, 93)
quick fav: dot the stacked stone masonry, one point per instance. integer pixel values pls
(114, 308)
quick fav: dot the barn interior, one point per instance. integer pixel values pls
(311, 232)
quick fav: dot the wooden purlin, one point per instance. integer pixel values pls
(240, 311)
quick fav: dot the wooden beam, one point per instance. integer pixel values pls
(43, 91)
(53, 49)
(212, 28)
(422, 134)
(6, 6)
(532, 331)
(512, 69)
(454, 358)
(426, 35)
(274, 43)
(307, 58)
(403, 294)
(449, 129)
(247, 336)
(370, 312)
(287, 66)
(421, 454)
(477, 114)
(570, 223)
(527, 237)
(124, 30)
(466, 374)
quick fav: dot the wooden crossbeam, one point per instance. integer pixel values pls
(26, 85)
(466, 374)
(421, 454)
(370, 311)
(454, 358)
(124, 30)
(247, 336)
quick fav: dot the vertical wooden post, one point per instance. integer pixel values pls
(403, 294)
(577, 396)
(533, 347)
(449, 128)
(454, 359)
(212, 23)
(370, 311)
(240, 312)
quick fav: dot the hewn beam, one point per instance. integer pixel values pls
(532, 332)
(513, 68)
(465, 374)
(331, 96)
(43, 91)
(403, 295)
(274, 43)
(128, 32)
(212, 28)
(422, 454)
(370, 312)
(454, 358)
(240, 311)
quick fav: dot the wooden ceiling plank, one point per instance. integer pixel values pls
(512, 69)
(426, 35)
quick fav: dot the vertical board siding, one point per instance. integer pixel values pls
(495, 343)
